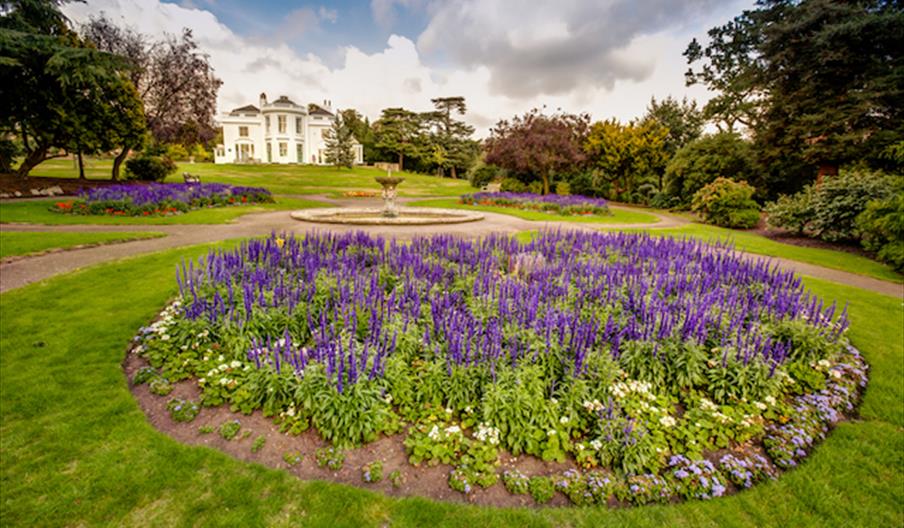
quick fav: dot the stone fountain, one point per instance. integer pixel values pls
(389, 214)
(389, 183)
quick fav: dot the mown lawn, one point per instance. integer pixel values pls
(38, 212)
(280, 179)
(619, 216)
(14, 243)
(75, 450)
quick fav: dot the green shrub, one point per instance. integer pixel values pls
(146, 167)
(563, 188)
(258, 444)
(176, 152)
(881, 227)
(182, 410)
(535, 187)
(541, 489)
(229, 430)
(701, 162)
(512, 185)
(292, 458)
(482, 174)
(790, 212)
(330, 457)
(829, 210)
(588, 184)
(372, 473)
(727, 203)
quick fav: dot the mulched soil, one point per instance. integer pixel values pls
(423, 480)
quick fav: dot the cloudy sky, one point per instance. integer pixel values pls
(606, 57)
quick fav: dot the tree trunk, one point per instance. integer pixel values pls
(117, 162)
(545, 184)
(81, 166)
(454, 175)
(31, 161)
(401, 160)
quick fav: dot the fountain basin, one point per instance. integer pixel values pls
(376, 216)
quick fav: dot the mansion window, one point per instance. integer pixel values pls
(243, 131)
(283, 149)
(297, 126)
(281, 123)
(267, 123)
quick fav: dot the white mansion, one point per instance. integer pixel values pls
(277, 132)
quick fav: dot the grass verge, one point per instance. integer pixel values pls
(21, 243)
(38, 212)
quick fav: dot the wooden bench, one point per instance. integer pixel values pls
(191, 178)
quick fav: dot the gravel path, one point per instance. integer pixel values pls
(33, 269)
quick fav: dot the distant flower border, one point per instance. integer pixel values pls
(565, 205)
(160, 199)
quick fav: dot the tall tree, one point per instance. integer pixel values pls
(826, 81)
(174, 79)
(361, 129)
(60, 94)
(399, 131)
(683, 121)
(627, 154)
(340, 143)
(452, 135)
(538, 145)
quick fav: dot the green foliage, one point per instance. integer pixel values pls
(727, 203)
(881, 227)
(160, 386)
(516, 482)
(258, 444)
(144, 375)
(512, 185)
(59, 91)
(700, 162)
(205, 429)
(630, 157)
(330, 457)
(182, 410)
(563, 188)
(147, 167)
(176, 152)
(481, 174)
(292, 458)
(230, 429)
(541, 489)
(818, 83)
(396, 479)
(372, 473)
(829, 210)
(339, 141)
(528, 422)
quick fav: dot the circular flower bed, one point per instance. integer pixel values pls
(566, 205)
(657, 367)
(160, 198)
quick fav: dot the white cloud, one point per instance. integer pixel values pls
(647, 64)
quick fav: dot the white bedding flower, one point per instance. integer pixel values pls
(668, 421)
(434, 433)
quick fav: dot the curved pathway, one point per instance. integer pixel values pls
(25, 271)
